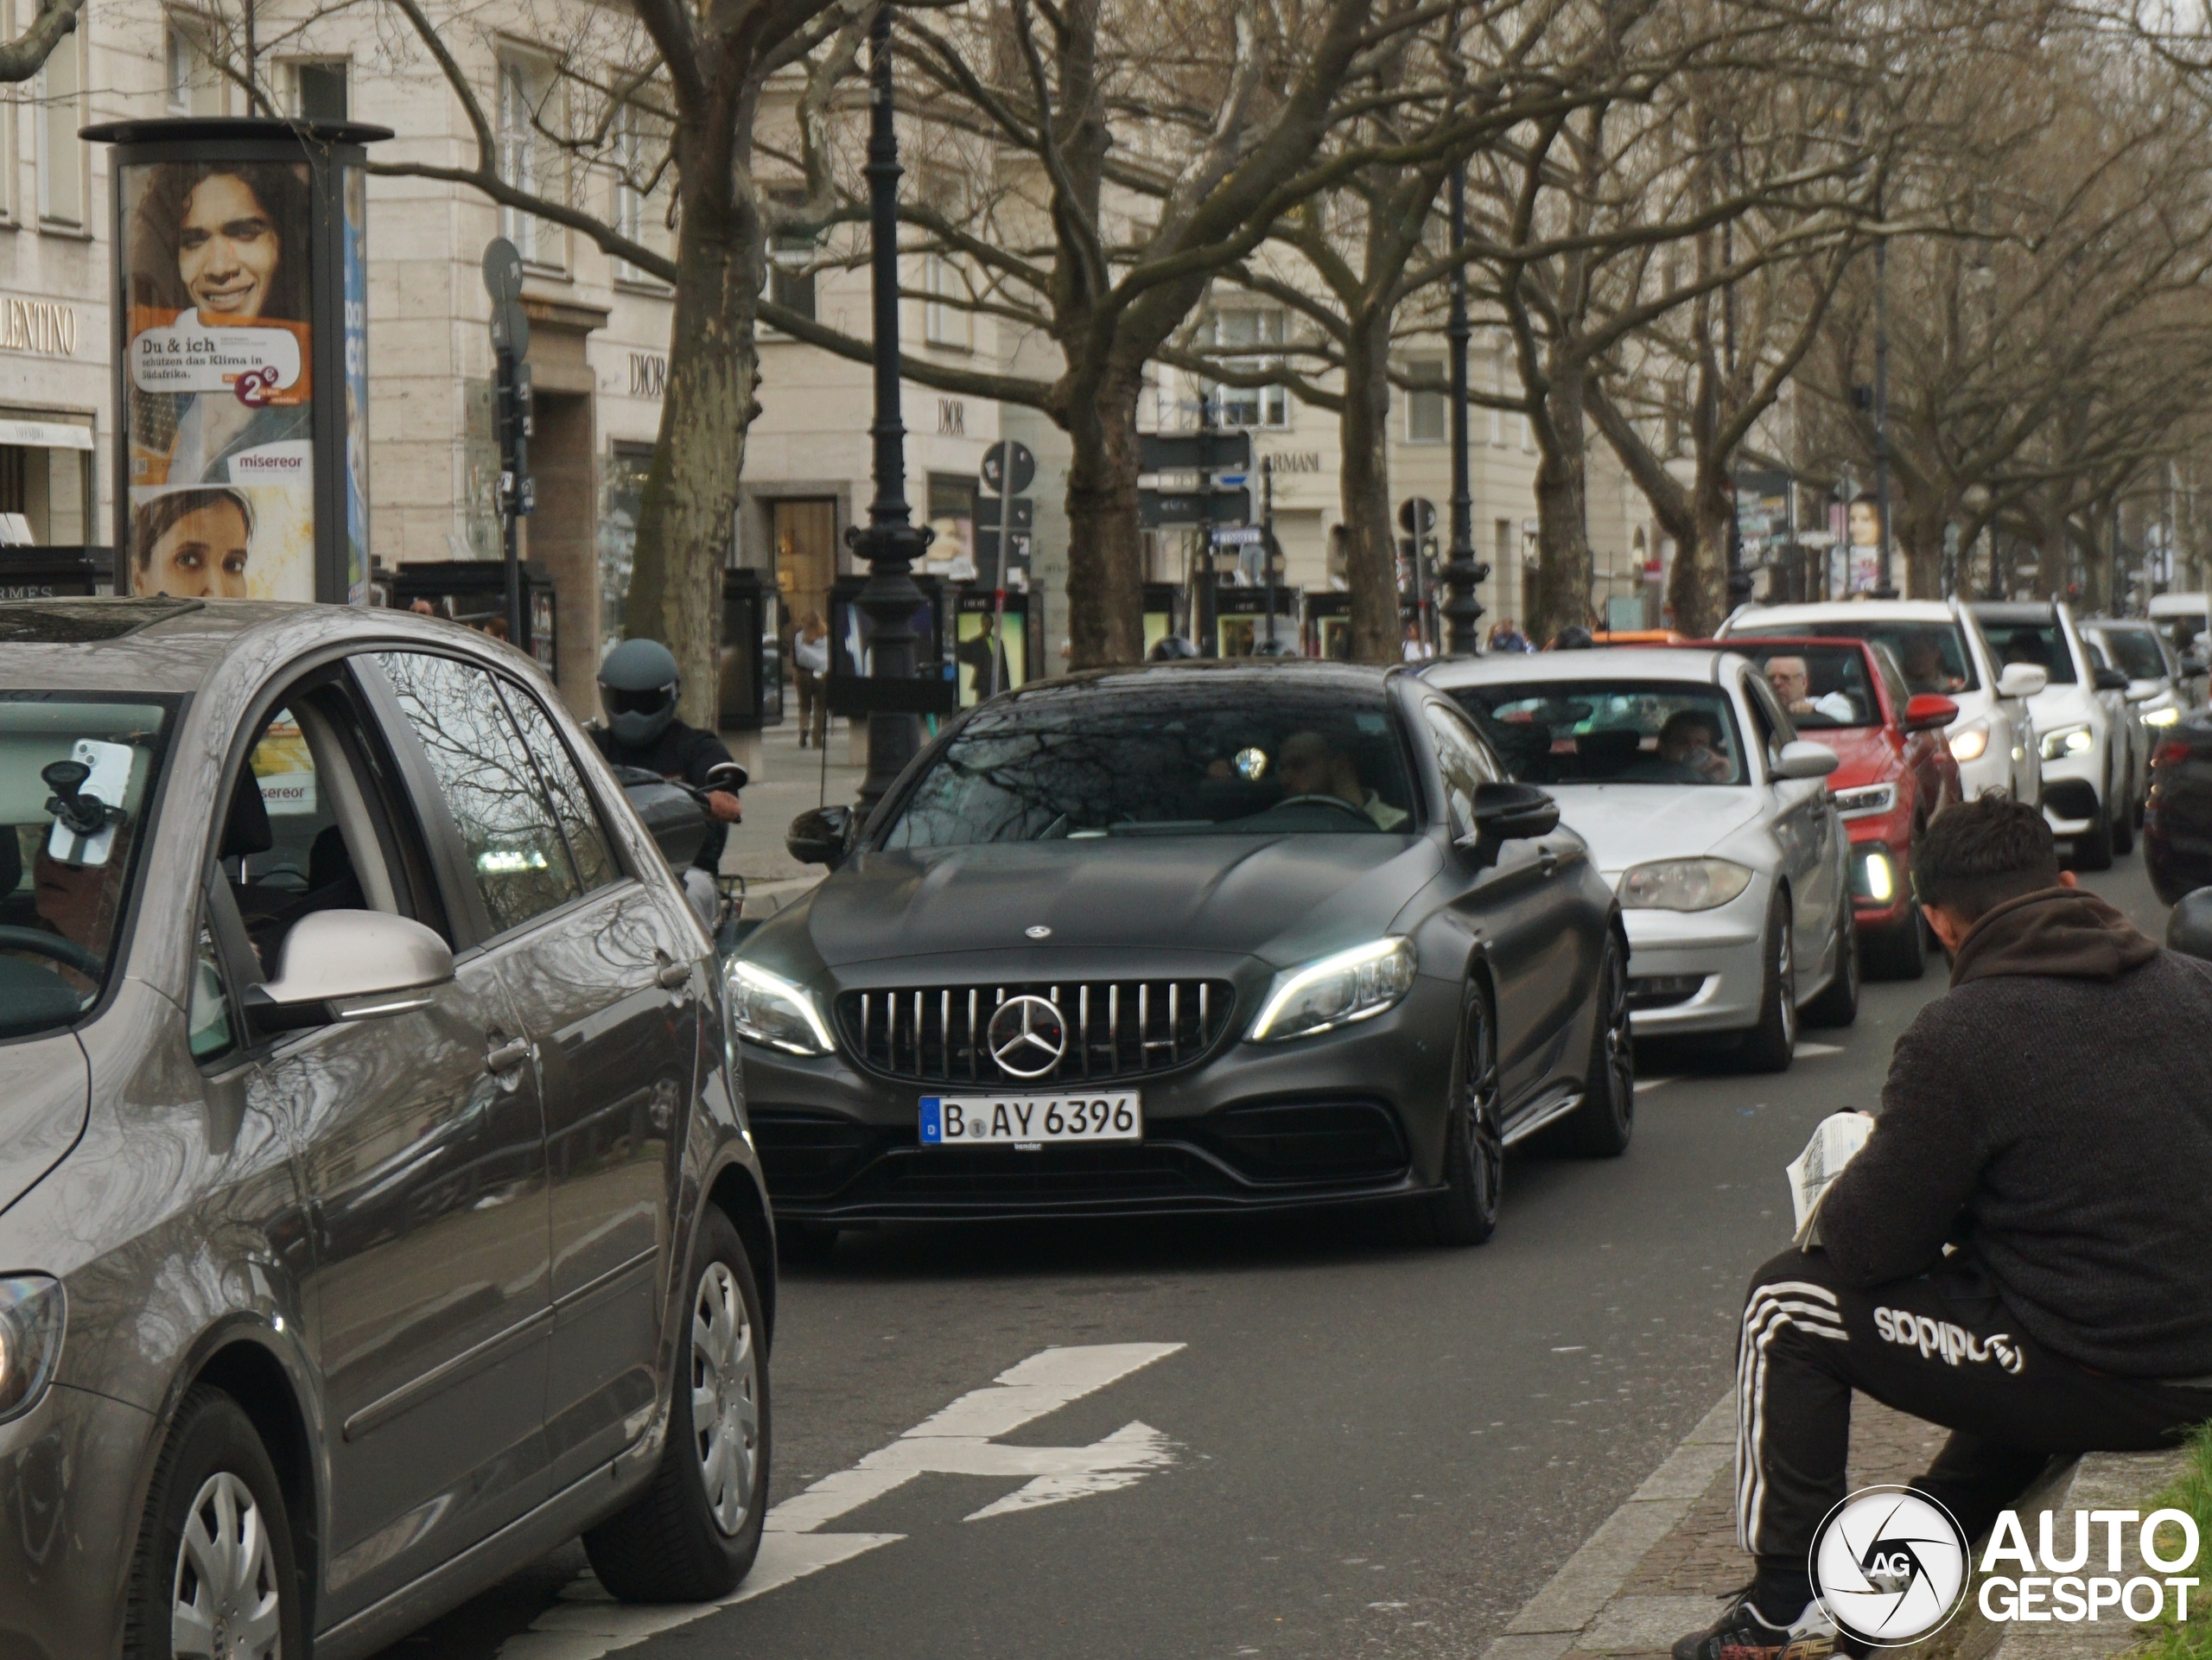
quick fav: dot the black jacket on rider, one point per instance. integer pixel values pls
(680, 751)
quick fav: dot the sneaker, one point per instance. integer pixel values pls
(1742, 1633)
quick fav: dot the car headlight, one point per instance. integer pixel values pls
(766, 1008)
(2170, 715)
(1866, 800)
(1877, 877)
(1353, 985)
(1969, 742)
(1682, 885)
(2066, 741)
(31, 1319)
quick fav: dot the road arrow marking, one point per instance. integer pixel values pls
(958, 1441)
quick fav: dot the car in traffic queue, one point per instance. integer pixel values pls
(2082, 727)
(1896, 774)
(1196, 936)
(2177, 818)
(2184, 621)
(2158, 687)
(1709, 817)
(376, 1207)
(1941, 649)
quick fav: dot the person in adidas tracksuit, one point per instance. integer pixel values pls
(2048, 1120)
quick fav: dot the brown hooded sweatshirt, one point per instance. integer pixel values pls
(2053, 1115)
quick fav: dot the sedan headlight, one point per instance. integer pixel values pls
(1353, 985)
(1866, 800)
(2170, 715)
(31, 1310)
(1683, 884)
(767, 1008)
(2066, 741)
(1969, 742)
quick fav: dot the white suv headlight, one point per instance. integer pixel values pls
(2067, 740)
(1969, 742)
(2168, 715)
(1866, 800)
(1353, 985)
(1682, 885)
(767, 1008)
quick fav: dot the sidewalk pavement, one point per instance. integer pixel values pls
(786, 780)
(1660, 1565)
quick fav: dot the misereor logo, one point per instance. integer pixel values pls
(1889, 1565)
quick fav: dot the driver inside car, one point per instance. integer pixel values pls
(1689, 749)
(1312, 766)
(73, 902)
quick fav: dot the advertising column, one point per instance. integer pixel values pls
(242, 359)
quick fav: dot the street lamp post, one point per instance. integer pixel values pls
(890, 541)
(1461, 572)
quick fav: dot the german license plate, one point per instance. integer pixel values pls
(1030, 1120)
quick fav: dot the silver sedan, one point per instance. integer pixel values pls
(1709, 816)
(376, 1207)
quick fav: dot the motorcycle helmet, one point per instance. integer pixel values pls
(1573, 637)
(636, 687)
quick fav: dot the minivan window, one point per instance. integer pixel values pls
(76, 778)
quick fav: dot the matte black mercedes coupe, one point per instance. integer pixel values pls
(1187, 937)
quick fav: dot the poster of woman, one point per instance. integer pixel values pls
(221, 412)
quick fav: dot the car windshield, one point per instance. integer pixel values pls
(1196, 755)
(1610, 731)
(1933, 655)
(1821, 686)
(2135, 651)
(74, 772)
(2036, 642)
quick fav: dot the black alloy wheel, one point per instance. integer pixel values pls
(1771, 1043)
(1838, 1004)
(1465, 1213)
(1600, 1127)
(693, 1533)
(214, 1572)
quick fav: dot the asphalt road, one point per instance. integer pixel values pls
(1367, 1449)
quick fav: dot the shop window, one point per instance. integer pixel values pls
(622, 503)
(952, 516)
(63, 185)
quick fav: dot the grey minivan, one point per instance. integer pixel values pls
(377, 1209)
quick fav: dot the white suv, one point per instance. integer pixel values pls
(1941, 650)
(2084, 749)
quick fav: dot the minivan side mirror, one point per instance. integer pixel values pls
(1805, 758)
(820, 836)
(2111, 680)
(2188, 930)
(348, 965)
(1930, 712)
(2022, 680)
(1508, 812)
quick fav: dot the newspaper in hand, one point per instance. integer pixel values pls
(1835, 1142)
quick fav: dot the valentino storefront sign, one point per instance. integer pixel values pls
(46, 327)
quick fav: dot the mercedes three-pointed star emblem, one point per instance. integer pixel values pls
(1028, 1036)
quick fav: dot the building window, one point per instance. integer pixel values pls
(1427, 412)
(62, 186)
(195, 86)
(790, 271)
(318, 88)
(644, 189)
(946, 320)
(1252, 406)
(529, 158)
(1497, 388)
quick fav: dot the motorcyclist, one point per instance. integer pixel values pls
(638, 683)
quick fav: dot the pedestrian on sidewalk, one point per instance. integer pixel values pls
(2048, 1120)
(811, 669)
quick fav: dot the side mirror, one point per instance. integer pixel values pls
(2022, 680)
(2111, 680)
(726, 775)
(2188, 930)
(671, 815)
(820, 836)
(1508, 812)
(1929, 713)
(1805, 758)
(348, 965)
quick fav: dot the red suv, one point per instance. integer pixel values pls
(1897, 774)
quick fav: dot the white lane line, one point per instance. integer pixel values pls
(957, 1441)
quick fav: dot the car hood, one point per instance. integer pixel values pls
(1270, 896)
(1862, 754)
(1634, 823)
(45, 1094)
(2062, 705)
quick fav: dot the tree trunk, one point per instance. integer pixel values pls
(1562, 516)
(1697, 587)
(689, 505)
(1364, 481)
(1105, 554)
